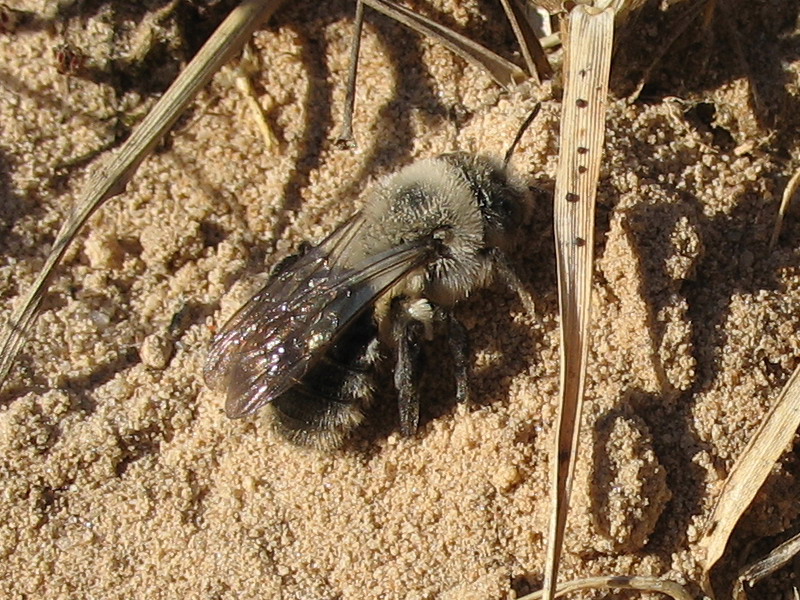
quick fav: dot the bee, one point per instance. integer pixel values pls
(308, 344)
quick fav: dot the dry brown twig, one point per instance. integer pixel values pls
(346, 137)
(532, 51)
(504, 72)
(786, 201)
(775, 560)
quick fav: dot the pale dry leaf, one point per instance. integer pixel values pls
(614, 582)
(749, 473)
(587, 69)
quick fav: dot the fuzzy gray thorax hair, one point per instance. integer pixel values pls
(431, 197)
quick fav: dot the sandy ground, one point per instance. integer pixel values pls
(121, 475)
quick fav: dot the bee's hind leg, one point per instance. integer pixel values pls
(458, 341)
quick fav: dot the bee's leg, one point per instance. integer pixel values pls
(503, 269)
(458, 340)
(408, 334)
(288, 262)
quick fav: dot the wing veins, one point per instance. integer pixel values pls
(279, 377)
(281, 332)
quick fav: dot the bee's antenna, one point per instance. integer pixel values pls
(523, 128)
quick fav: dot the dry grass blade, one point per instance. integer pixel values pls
(587, 68)
(111, 179)
(501, 70)
(249, 64)
(786, 201)
(346, 137)
(532, 51)
(754, 465)
(777, 559)
(645, 584)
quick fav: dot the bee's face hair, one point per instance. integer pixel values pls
(465, 202)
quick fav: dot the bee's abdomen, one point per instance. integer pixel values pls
(330, 400)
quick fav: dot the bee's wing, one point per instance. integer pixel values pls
(258, 318)
(283, 330)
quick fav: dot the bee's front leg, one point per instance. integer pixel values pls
(406, 376)
(409, 334)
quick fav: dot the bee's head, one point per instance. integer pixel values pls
(502, 201)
